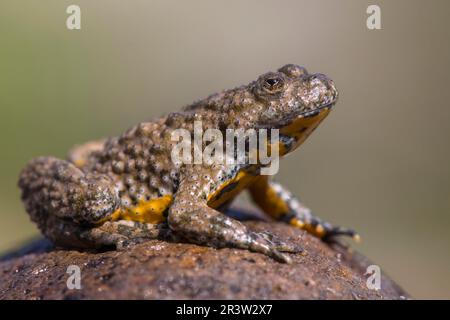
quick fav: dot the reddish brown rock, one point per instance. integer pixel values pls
(161, 270)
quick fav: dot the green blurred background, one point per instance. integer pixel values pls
(380, 162)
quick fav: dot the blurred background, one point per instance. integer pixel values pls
(380, 163)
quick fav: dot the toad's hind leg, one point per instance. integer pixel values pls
(281, 205)
(122, 233)
(54, 189)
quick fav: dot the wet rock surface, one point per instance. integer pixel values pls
(162, 270)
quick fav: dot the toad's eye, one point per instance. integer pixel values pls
(273, 83)
(270, 84)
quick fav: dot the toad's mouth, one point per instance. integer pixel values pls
(315, 111)
(302, 119)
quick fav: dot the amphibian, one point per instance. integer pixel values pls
(126, 189)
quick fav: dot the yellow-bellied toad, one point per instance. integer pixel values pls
(126, 189)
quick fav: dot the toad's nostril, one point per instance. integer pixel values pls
(318, 90)
(321, 80)
(317, 78)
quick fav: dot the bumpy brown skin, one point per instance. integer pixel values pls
(86, 201)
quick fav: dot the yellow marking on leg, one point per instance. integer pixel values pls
(79, 163)
(297, 223)
(151, 211)
(112, 217)
(318, 230)
(230, 189)
(148, 211)
(267, 199)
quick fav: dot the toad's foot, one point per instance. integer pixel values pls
(206, 226)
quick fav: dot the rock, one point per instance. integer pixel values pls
(162, 270)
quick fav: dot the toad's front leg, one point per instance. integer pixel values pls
(191, 218)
